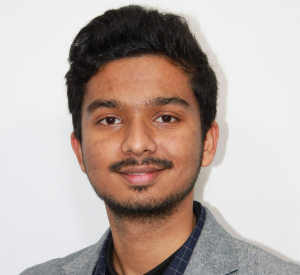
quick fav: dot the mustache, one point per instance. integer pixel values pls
(162, 163)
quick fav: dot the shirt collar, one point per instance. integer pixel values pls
(182, 257)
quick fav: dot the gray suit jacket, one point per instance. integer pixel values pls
(216, 253)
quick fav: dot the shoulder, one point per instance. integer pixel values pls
(84, 259)
(259, 261)
(217, 252)
(54, 266)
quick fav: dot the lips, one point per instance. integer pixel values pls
(140, 170)
(140, 175)
(136, 174)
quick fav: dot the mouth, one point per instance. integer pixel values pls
(138, 176)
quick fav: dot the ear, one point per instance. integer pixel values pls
(77, 150)
(210, 144)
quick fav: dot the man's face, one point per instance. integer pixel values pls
(141, 132)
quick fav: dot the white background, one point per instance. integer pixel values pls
(48, 208)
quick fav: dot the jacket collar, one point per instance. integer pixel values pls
(215, 251)
(85, 263)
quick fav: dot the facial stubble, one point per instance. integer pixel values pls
(150, 209)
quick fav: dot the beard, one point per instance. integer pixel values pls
(146, 209)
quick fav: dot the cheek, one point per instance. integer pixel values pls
(99, 153)
(183, 149)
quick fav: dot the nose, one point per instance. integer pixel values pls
(138, 139)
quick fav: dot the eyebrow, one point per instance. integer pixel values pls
(159, 101)
(99, 103)
(162, 101)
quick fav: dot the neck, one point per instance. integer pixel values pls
(139, 246)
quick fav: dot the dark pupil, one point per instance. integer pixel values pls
(110, 120)
(166, 118)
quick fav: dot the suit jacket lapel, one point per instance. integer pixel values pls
(215, 251)
(85, 263)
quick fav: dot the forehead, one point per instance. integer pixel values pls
(134, 81)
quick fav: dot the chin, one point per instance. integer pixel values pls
(142, 206)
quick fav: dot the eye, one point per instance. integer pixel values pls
(166, 118)
(110, 120)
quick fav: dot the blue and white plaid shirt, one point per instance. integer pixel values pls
(182, 257)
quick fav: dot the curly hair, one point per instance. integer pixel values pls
(132, 31)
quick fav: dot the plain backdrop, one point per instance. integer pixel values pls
(48, 208)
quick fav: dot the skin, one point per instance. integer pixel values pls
(137, 129)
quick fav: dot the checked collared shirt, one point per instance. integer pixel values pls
(181, 258)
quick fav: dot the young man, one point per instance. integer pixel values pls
(143, 101)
